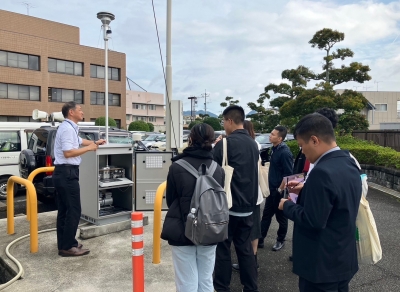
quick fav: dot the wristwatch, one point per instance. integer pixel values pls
(279, 190)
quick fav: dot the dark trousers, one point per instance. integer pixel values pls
(239, 232)
(306, 286)
(66, 183)
(271, 209)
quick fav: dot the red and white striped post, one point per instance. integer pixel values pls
(137, 251)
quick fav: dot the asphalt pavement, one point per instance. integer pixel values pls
(108, 266)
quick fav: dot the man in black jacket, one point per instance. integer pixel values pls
(281, 165)
(243, 157)
(324, 243)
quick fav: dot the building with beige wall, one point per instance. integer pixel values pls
(383, 112)
(43, 65)
(145, 106)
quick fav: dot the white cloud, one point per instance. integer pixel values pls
(234, 47)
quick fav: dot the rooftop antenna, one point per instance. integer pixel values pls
(377, 82)
(28, 5)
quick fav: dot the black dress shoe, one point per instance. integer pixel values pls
(235, 267)
(73, 252)
(278, 246)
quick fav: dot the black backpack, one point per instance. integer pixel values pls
(207, 221)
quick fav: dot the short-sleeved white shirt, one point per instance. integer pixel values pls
(67, 138)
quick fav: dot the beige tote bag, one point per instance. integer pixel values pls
(263, 178)
(369, 248)
(228, 172)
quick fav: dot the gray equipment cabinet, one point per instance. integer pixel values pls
(106, 181)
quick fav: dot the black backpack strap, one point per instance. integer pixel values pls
(187, 166)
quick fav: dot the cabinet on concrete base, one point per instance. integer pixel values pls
(109, 199)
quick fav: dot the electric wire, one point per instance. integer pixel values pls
(165, 79)
(16, 262)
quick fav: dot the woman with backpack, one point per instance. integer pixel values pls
(193, 264)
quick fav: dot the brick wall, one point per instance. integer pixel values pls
(44, 45)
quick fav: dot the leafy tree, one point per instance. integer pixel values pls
(139, 126)
(193, 123)
(350, 122)
(151, 127)
(228, 101)
(215, 123)
(202, 117)
(101, 121)
(295, 100)
(263, 120)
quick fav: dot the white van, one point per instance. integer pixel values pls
(14, 137)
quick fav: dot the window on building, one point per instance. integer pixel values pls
(152, 107)
(135, 106)
(381, 107)
(152, 119)
(65, 67)
(65, 95)
(141, 118)
(17, 60)
(398, 109)
(143, 106)
(128, 118)
(98, 98)
(97, 71)
(16, 91)
(16, 119)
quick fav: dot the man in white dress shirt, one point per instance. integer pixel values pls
(66, 179)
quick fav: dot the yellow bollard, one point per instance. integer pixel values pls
(30, 178)
(10, 206)
(157, 223)
(31, 195)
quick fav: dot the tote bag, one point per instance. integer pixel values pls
(369, 248)
(228, 173)
(263, 178)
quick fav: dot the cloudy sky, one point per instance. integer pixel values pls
(234, 47)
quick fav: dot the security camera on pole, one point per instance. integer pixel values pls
(106, 18)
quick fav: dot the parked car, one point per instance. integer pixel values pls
(263, 140)
(14, 137)
(40, 153)
(151, 139)
(161, 141)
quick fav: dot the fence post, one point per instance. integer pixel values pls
(157, 223)
(137, 251)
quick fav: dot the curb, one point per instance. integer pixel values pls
(386, 190)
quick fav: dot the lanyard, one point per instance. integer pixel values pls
(74, 129)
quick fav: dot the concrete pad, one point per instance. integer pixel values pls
(90, 231)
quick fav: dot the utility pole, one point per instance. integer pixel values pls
(27, 6)
(377, 82)
(366, 87)
(205, 95)
(356, 87)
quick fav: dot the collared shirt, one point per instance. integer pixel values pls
(312, 165)
(67, 138)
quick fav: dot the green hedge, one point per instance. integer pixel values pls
(365, 152)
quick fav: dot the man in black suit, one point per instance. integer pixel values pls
(324, 244)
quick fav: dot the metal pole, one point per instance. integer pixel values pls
(168, 97)
(105, 28)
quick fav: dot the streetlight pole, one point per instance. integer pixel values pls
(106, 18)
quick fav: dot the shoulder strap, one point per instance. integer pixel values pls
(212, 168)
(225, 152)
(186, 165)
